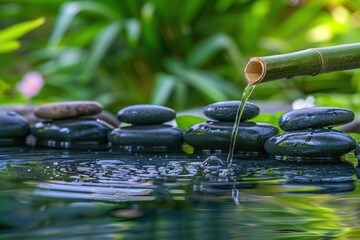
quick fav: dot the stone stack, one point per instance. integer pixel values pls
(214, 136)
(308, 135)
(70, 125)
(147, 131)
(14, 129)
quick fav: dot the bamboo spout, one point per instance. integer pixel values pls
(311, 61)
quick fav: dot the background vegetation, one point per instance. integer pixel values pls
(181, 54)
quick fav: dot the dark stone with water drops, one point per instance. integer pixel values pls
(320, 143)
(72, 130)
(78, 145)
(316, 117)
(226, 111)
(146, 114)
(61, 110)
(13, 125)
(148, 136)
(216, 136)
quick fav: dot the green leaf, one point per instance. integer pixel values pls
(9, 46)
(100, 47)
(187, 121)
(69, 11)
(164, 85)
(20, 29)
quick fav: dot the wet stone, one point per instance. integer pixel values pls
(13, 125)
(146, 114)
(226, 111)
(316, 117)
(142, 137)
(314, 145)
(72, 130)
(216, 136)
(61, 110)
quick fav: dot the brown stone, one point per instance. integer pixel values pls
(74, 109)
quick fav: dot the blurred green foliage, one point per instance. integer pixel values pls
(182, 54)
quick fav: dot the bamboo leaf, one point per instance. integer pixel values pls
(18, 30)
(187, 121)
(100, 46)
(164, 85)
(206, 50)
(69, 11)
(133, 30)
(9, 46)
(190, 10)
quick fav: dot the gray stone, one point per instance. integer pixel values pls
(321, 143)
(146, 114)
(61, 110)
(147, 135)
(72, 130)
(216, 136)
(226, 111)
(13, 125)
(316, 117)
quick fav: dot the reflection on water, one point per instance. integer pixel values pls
(54, 194)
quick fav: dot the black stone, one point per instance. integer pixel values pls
(316, 117)
(146, 114)
(226, 111)
(216, 136)
(13, 125)
(72, 130)
(148, 135)
(320, 143)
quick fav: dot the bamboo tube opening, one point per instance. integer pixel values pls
(255, 70)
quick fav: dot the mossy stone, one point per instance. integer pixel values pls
(226, 111)
(13, 125)
(147, 135)
(322, 143)
(144, 114)
(315, 117)
(62, 110)
(72, 130)
(216, 136)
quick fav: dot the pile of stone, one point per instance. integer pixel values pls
(70, 125)
(308, 135)
(14, 129)
(214, 136)
(147, 131)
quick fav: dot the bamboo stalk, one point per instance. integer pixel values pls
(311, 61)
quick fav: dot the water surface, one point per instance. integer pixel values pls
(60, 194)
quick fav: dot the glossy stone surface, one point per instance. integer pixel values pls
(324, 143)
(216, 136)
(147, 135)
(316, 117)
(13, 125)
(226, 111)
(61, 110)
(146, 114)
(72, 129)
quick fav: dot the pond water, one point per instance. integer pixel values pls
(60, 194)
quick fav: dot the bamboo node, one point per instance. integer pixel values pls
(321, 60)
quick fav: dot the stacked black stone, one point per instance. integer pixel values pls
(147, 132)
(14, 129)
(70, 125)
(308, 135)
(214, 136)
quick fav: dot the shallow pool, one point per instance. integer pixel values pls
(60, 194)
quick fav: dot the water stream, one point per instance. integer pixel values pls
(246, 94)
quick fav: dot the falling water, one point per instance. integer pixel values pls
(246, 94)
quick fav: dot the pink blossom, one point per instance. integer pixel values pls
(31, 84)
